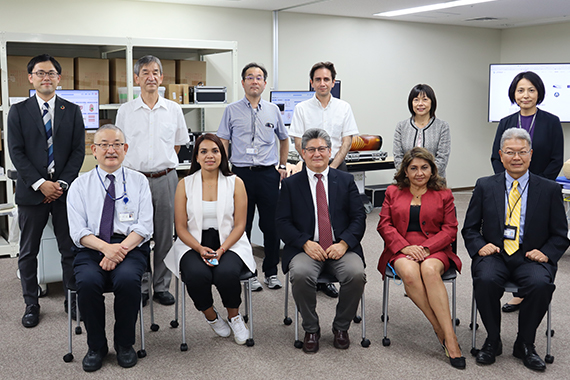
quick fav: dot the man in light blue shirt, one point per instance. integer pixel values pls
(254, 126)
(110, 222)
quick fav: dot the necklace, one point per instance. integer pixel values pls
(420, 193)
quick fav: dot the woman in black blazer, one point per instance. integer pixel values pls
(527, 90)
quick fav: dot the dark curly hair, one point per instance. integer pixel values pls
(435, 182)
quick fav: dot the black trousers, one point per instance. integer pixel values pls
(536, 286)
(200, 277)
(262, 188)
(32, 221)
(124, 281)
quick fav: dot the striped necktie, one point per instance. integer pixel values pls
(514, 209)
(49, 137)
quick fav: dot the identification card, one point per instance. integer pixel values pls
(510, 232)
(251, 151)
(128, 216)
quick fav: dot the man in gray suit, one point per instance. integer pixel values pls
(46, 140)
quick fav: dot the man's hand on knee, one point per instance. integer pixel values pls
(536, 255)
(314, 250)
(336, 251)
(489, 249)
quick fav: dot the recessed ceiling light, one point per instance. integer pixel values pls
(433, 7)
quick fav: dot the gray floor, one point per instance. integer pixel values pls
(414, 352)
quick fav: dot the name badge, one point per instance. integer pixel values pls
(510, 232)
(251, 151)
(126, 216)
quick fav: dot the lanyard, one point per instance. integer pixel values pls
(124, 196)
(509, 210)
(531, 123)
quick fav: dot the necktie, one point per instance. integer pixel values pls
(106, 226)
(514, 209)
(47, 124)
(325, 231)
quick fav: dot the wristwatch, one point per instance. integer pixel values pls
(282, 167)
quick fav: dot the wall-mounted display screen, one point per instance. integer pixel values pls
(556, 78)
(88, 102)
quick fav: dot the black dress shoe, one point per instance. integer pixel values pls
(509, 308)
(528, 354)
(311, 342)
(31, 316)
(489, 351)
(145, 298)
(341, 339)
(93, 360)
(165, 298)
(126, 356)
(458, 363)
(329, 289)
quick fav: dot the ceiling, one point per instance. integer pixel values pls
(500, 14)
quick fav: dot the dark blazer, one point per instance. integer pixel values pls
(545, 228)
(437, 221)
(295, 216)
(28, 146)
(547, 144)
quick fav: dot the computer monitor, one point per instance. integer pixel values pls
(287, 100)
(335, 91)
(88, 102)
(556, 78)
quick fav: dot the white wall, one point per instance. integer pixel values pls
(378, 61)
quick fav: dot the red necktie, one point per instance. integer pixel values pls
(325, 231)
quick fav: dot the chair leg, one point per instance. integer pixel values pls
(287, 320)
(69, 356)
(250, 342)
(298, 343)
(183, 345)
(548, 358)
(386, 292)
(474, 350)
(365, 342)
(454, 319)
(142, 352)
(174, 322)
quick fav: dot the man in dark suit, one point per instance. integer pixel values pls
(46, 140)
(321, 219)
(515, 230)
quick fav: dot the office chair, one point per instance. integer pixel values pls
(246, 278)
(324, 278)
(78, 330)
(511, 287)
(449, 276)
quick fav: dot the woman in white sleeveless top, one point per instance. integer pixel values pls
(210, 211)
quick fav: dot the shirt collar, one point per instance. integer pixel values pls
(523, 180)
(311, 173)
(160, 103)
(248, 104)
(51, 102)
(318, 102)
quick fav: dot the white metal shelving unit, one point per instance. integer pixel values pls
(99, 47)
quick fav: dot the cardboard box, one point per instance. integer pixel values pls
(192, 73)
(117, 77)
(185, 93)
(93, 74)
(18, 82)
(168, 71)
(89, 136)
(67, 73)
(174, 92)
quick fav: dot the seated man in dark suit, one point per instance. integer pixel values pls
(321, 219)
(515, 230)
(110, 221)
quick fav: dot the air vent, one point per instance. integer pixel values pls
(483, 19)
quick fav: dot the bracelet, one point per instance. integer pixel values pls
(223, 249)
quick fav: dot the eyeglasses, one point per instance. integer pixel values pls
(106, 146)
(258, 78)
(312, 150)
(41, 74)
(511, 153)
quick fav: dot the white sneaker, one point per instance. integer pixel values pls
(273, 282)
(219, 325)
(256, 285)
(241, 333)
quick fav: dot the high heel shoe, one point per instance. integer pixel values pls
(458, 363)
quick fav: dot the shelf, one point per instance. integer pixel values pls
(183, 106)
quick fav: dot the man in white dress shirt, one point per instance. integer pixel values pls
(156, 128)
(110, 222)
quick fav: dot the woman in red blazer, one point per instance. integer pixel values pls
(418, 225)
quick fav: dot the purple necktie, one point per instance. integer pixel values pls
(325, 231)
(106, 226)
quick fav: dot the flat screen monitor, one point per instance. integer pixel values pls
(556, 78)
(335, 90)
(287, 100)
(88, 102)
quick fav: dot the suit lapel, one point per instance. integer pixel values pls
(333, 185)
(499, 196)
(306, 196)
(34, 110)
(533, 196)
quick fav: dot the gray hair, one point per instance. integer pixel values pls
(315, 133)
(143, 61)
(516, 133)
(111, 127)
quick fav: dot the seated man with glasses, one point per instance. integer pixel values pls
(110, 218)
(321, 220)
(515, 230)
